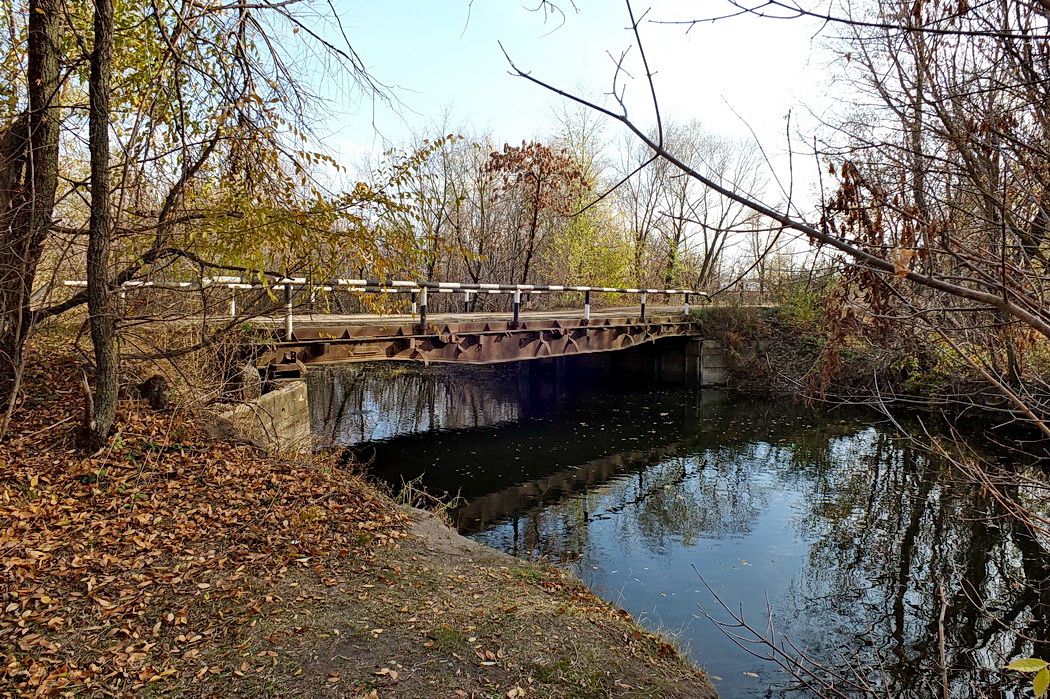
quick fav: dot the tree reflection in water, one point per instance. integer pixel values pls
(871, 554)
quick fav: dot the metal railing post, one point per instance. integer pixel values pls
(685, 306)
(466, 302)
(642, 317)
(288, 323)
(517, 304)
(586, 305)
(415, 306)
(233, 302)
(423, 307)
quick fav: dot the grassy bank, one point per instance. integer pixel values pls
(173, 562)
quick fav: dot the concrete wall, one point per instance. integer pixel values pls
(676, 362)
(278, 422)
(714, 364)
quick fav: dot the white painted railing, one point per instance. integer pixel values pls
(418, 289)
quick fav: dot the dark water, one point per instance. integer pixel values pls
(862, 552)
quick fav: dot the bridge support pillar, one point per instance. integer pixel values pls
(691, 359)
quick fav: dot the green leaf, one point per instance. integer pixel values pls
(1041, 682)
(1027, 665)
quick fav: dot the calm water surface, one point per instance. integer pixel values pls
(859, 550)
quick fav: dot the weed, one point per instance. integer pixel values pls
(450, 639)
(413, 494)
(553, 672)
(529, 572)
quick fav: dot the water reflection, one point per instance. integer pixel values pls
(364, 402)
(873, 558)
(358, 403)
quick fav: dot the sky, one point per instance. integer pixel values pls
(443, 58)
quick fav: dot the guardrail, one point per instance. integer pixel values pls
(420, 290)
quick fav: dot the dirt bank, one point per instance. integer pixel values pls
(440, 615)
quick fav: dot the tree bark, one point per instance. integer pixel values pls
(30, 180)
(101, 311)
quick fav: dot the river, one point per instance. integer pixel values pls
(836, 536)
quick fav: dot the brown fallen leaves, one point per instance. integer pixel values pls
(139, 564)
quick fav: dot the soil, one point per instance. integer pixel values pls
(439, 615)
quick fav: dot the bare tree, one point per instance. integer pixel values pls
(680, 228)
(860, 217)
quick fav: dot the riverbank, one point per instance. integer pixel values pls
(175, 562)
(441, 615)
(794, 350)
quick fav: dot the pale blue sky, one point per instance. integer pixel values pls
(444, 56)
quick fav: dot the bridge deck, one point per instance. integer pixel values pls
(375, 319)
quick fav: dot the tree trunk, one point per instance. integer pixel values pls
(534, 225)
(29, 175)
(102, 316)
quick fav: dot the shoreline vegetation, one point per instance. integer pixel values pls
(796, 348)
(173, 562)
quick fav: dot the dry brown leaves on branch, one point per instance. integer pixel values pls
(135, 566)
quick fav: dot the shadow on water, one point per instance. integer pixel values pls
(871, 556)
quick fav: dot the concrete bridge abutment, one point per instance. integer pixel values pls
(690, 361)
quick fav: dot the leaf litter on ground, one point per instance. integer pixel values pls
(127, 567)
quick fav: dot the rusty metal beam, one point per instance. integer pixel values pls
(484, 342)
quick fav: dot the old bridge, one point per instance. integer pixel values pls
(296, 341)
(290, 337)
(293, 339)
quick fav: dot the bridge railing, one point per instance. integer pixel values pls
(419, 290)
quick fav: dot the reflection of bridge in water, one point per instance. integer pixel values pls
(551, 450)
(520, 499)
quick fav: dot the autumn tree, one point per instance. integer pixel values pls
(945, 176)
(983, 123)
(593, 247)
(209, 161)
(539, 184)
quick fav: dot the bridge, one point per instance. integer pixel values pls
(291, 340)
(465, 337)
